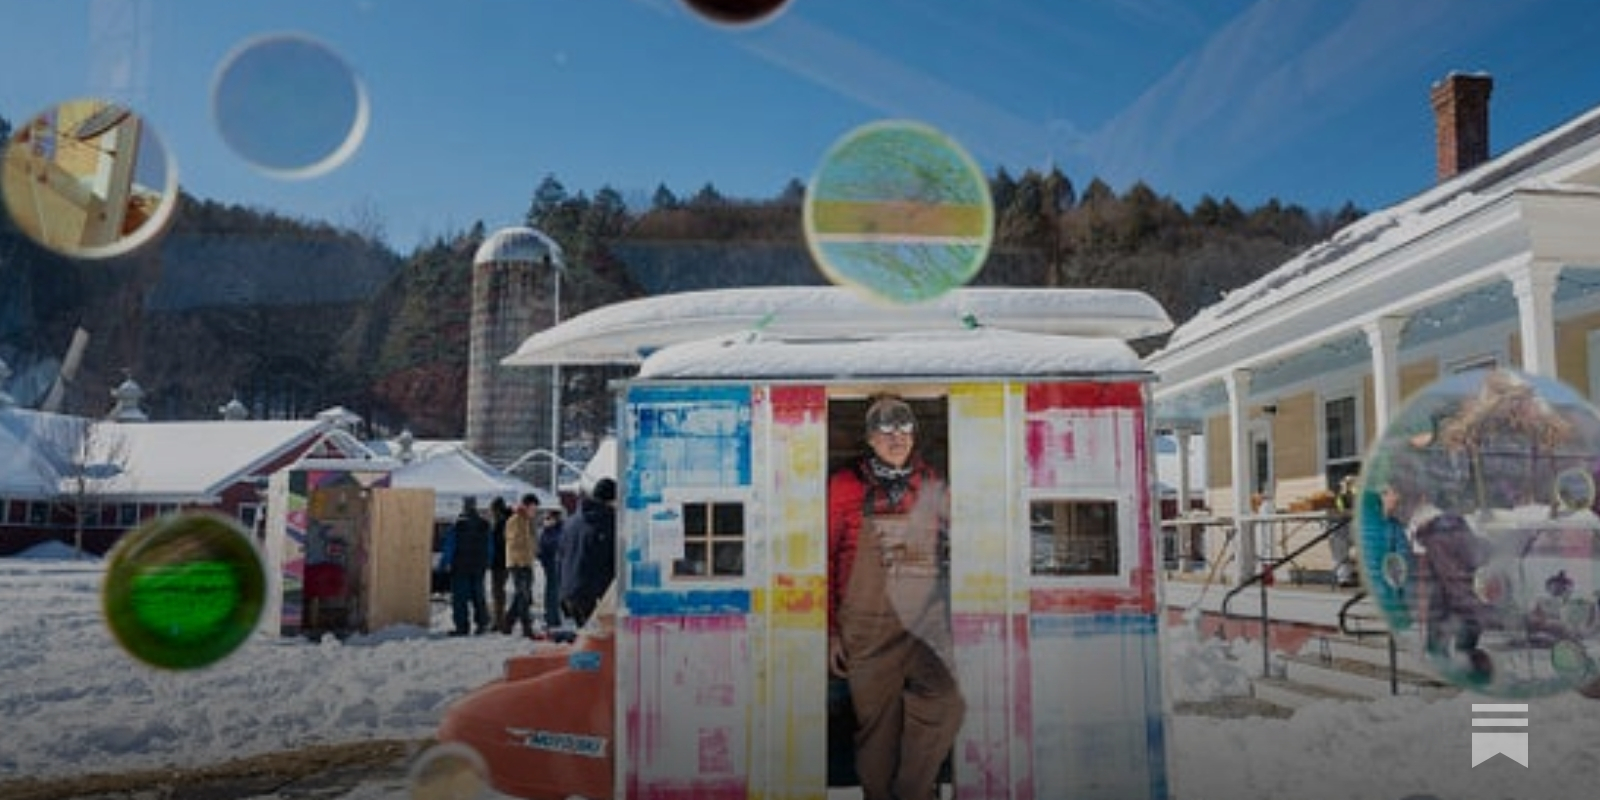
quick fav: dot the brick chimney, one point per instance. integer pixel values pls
(1461, 122)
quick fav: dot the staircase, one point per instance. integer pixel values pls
(1339, 666)
(1312, 656)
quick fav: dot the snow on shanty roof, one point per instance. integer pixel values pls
(627, 332)
(980, 352)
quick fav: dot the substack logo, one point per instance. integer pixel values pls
(1511, 744)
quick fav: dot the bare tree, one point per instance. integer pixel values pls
(90, 458)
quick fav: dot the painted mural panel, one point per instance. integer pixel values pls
(987, 761)
(688, 636)
(321, 552)
(689, 701)
(1084, 434)
(1095, 690)
(790, 737)
(686, 436)
(1090, 545)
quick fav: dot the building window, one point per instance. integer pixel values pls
(713, 541)
(16, 512)
(1341, 439)
(128, 515)
(249, 514)
(1074, 537)
(38, 513)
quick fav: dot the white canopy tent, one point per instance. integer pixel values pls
(456, 473)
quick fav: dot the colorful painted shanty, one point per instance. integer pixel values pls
(707, 675)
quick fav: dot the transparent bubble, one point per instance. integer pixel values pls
(737, 12)
(183, 591)
(449, 771)
(900, 212)
(89, 178)
(1478, 532)
(289, 105)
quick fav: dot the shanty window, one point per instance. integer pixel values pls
(713, 541)
(1074, 537)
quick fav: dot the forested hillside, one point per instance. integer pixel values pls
(294, 316)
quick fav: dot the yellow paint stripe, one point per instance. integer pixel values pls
(900, 217)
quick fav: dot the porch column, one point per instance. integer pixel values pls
(1383, 337)
(1534, 285)
(1238, 385)
(1183, 436)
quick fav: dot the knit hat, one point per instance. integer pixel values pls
(605, 490)
(889, 411)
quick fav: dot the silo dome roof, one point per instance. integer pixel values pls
(519, 244)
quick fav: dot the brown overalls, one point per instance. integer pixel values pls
(894, 622)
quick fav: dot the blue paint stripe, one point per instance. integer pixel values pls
(1094, 624)
(697, 602)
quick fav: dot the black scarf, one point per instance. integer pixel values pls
(893, 481)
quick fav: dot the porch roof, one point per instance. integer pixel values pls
(1537, 203)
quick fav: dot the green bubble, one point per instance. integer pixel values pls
(900, 212)
(184, 591)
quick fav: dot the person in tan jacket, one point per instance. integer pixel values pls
(519, 563)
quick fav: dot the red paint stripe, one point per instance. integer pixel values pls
(791, 404)
(1085, 394)
(1077, 601)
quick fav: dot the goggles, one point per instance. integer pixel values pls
(887, 428)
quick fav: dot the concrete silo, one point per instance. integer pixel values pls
(516, 291)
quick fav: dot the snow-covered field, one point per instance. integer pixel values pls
(72, 702)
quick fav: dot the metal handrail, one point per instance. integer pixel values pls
(1394, 654)
(1262, 576)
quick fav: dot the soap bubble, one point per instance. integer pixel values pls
(900, 212)
(1479, 534)
(89, 178)
(737, 12)
(449, 771)
(183, 591)
(290, 105)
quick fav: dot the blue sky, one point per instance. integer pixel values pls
(473, 102)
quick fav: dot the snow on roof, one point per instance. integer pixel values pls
(181, 461)
(1528, 166)
(626, 332)
(970, 353)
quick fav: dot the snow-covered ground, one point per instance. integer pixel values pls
(72, 702)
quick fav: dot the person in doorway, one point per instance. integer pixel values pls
(519, 563)
(588, 552)
(499, 514)
(889, 632)
(550, 564)
(466, 557)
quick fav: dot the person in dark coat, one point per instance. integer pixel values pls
(550, 563)
(588, 552)
(499, 514)
(1456, 616)
(466, 557)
